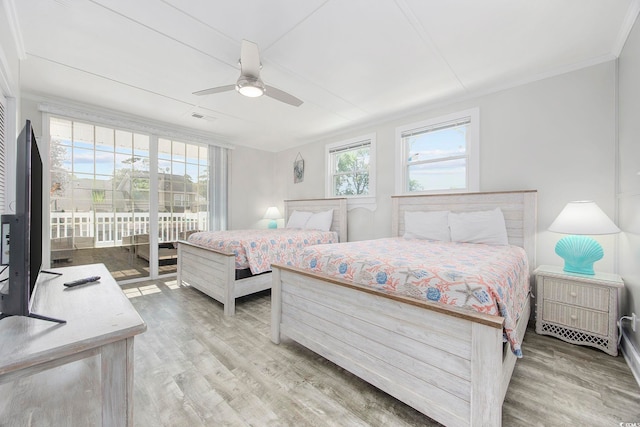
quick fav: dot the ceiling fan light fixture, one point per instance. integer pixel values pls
(249, 83)
(250, 86)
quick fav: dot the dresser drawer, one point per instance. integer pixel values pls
(584, 295)
(593, 321)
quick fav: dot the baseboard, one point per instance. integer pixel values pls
(631, 355)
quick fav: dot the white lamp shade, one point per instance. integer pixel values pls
(583, 217)
(272, 213)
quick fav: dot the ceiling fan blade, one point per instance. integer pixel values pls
(282, 96)
(250, 59)
(215, 90)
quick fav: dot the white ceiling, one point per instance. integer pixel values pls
(352, 62)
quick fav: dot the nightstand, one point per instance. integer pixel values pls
(577, 308)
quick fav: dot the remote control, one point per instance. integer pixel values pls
(82, 281)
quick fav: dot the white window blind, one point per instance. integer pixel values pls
(3, 144)
(349, 147)
(437, 127)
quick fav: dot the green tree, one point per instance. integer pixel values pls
(132, 183)
(60, 177)
(414, 185)
(352, 177)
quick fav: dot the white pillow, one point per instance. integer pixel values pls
(320, 221)
(427, 225)
(479, 227)
(298, 219)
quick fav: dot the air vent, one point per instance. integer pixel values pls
(202, 116)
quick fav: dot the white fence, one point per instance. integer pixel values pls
(109, 228)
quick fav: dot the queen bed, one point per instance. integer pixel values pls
(450, 362)
(220, 271)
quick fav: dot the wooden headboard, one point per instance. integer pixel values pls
(339, 206)
(519, 209)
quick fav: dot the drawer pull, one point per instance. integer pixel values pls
(573, 294)
(574, 317)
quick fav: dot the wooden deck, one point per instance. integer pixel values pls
(121, 262)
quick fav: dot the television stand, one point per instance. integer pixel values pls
(106, 330)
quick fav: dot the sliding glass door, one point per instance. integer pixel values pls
(101, 205)
(183, 203)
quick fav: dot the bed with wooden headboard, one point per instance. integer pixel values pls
(447, 362)
(214, 272)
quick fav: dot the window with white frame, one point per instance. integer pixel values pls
(351, 167)
(440, 154)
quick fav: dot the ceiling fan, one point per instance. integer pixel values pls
(249, 83)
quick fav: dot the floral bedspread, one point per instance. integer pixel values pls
(488, 279)
(257, 249)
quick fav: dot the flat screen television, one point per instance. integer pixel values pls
(21, 240)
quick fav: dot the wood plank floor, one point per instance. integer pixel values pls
(195, 367)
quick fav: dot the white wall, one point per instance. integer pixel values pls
(251, 189)
(629, 176)
(29, 111)
(556, 135)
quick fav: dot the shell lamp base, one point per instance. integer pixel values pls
(579, 254)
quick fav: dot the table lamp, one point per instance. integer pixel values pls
(579, 219)
(273, 214)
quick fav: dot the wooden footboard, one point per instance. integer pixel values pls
(444, 361)
(213, 273)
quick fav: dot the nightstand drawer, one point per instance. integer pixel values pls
(593, 321)
(594, 297)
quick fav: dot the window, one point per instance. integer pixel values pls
(351, 167)
(179, 200)
(183, 173)
(439, 155)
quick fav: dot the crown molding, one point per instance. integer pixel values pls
(626, 27)
(5, 76)
(14, 28)
(124, 121)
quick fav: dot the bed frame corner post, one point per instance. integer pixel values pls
(230, 289)
(486, 376)
(530, 226)
(395, 217)
(179, 266)
(276, 305)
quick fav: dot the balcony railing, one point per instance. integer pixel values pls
(109, 228)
